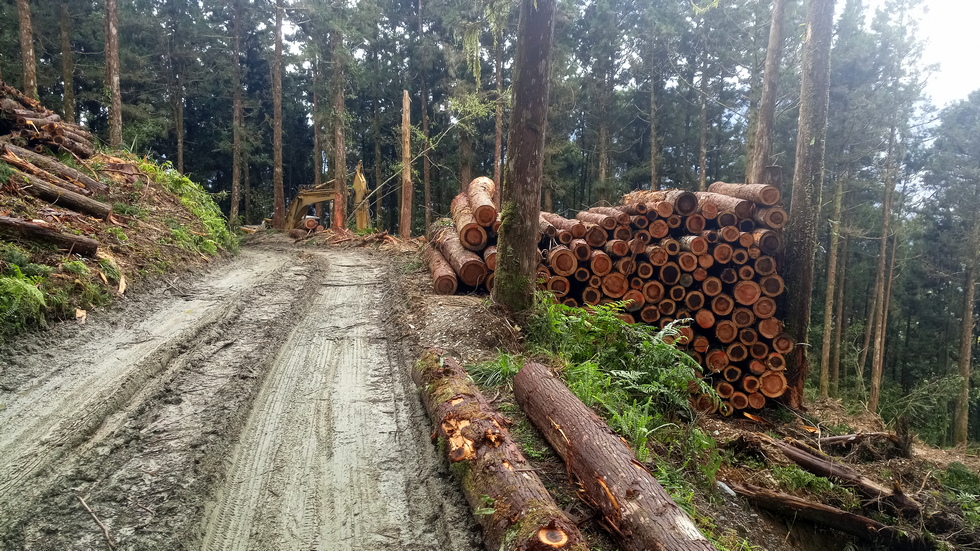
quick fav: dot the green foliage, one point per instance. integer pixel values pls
(13, 254)
(21, 302)
(634, 376)
(793, 478)
(128, 210)
(497, 371)
(110, 269)
(959, 478)
(76, 267)
(923, 405)
(200, 203)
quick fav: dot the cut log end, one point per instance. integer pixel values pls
(553, 538)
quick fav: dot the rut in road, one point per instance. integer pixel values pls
(262, 404)
(329, 457)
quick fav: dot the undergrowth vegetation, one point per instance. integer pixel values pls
(39, 283)
(637, 379)
(202, 206)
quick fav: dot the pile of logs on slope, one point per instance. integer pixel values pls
(705, 256)
(35, 127)
(27, 129)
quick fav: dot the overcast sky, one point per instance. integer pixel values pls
(950, 30)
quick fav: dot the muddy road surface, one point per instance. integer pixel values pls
(263, 404)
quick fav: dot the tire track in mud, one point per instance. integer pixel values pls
(332, 455)
(280, 351)
(63, 406)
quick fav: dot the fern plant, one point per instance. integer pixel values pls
(21, 300)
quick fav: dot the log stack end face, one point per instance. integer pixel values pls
(671, 254)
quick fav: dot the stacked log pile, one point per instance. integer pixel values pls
(33, 127)
(27, 129)
(706, 256)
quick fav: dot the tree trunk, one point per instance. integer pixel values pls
(246, 177)
(498, 140)
(67, 64)
(654, 165)
(71, 243)
(238, 116)
(633, 505)
(761, 148)
(378, 178)
(828, 304)
(521, 197)
(508, 499)
(339, 136)
(27, 48)
(317, 138)
(426, 163)
(807, 180)
(112, 71)
(278, 194)
(877, 358)
(405, 217)
(604, 145)
(703, 125)
(962, 411)
(465, 158)
(179, 120)
(839, 327)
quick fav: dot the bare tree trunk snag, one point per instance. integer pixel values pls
(507, 497)
(405, 217)
(633, 505)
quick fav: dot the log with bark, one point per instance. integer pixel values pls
(507, 497)
(472, 235)
(470, 267)
(639, 514)
(37, 232)
(480, 192)
(443, 276)
(59, 196)
(863, 527)
(58, 169)
(759, 193)
(893, 499)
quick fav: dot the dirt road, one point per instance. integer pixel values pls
(264, 404)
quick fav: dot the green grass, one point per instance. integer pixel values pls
(200, 203)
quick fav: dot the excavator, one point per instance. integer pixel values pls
(327, 191)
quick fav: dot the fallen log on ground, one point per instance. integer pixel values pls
(58, 196)
(29, 230)
(817, 463)
(507, 497)
(633, 505)
(863, 527)
(59, 169)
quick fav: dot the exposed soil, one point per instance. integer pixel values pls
(263, 404)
